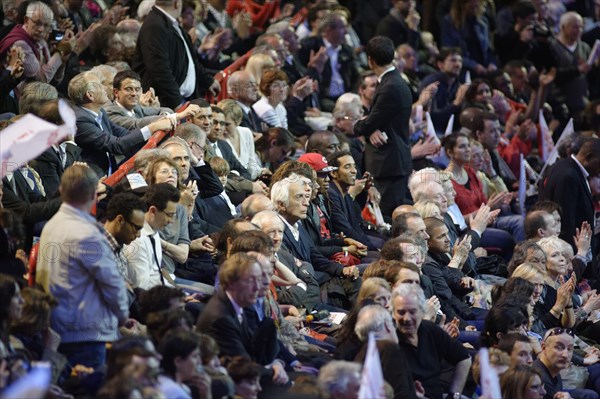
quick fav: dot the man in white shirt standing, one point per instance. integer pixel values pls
(166, 59)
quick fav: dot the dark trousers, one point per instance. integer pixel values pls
(394, 192)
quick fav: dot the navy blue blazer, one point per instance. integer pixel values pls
(305, 249)
(111, 139)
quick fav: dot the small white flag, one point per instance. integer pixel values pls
(490, 384)
(567, 131)
(594, 53)
(546, 136)
(449, 126)
(28, 137)
(372, 384)
(431, 129)
(522, 185)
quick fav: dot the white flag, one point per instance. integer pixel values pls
(546, 136)
(431, 129)
(449, 126)
(372, 384)
(490, 385)
(522, 185)
(567, 131)
(28, 137)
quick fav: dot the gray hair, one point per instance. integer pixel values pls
(80, 85)
(263, 217)
(189, 132)
(45, 11)
(346, 103)
(335, 377)
(104, 71)
(371, 318)
(280, 191)
(549, 243)
(422, 176)
(421, 191)
(35, 94)
(253, 204)
(404, 290)
(176, 141)
(144, 157)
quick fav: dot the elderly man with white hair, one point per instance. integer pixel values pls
(305, 292)
(31, 38)
(290, 197)
(568, 54)
(377, 320)
(425, 344)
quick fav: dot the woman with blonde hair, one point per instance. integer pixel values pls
(428, 209)
(376, 289)
(240, 138)
(257, 64)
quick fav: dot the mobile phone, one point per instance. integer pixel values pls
(56, 35)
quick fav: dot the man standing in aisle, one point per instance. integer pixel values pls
(385, 128)
(166, 59)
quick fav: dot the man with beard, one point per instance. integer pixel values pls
(345, 212)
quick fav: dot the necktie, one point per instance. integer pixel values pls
(62, 155)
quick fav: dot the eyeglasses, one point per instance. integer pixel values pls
(200, 147)
(558, 331)
(135, 226)
(41, 24)
(169, 214)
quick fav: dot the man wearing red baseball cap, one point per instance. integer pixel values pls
(317, 222)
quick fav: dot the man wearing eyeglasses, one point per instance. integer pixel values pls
(125, 219)
(38, 63)
(557, 351)
(133, 110)
(144, 255)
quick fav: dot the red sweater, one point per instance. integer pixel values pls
(469, 199)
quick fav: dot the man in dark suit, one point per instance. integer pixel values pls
(387, 152)
(166, 59)
(339, 74)
(242, 87)
(51, 164)
(100, 139)
(239, 184)
(567, 185)
(223, 318)
(290, 197)
(345, 213)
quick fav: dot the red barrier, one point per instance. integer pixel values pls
(33, 254)
(152, 142)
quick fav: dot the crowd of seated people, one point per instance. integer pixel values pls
(393, 170)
